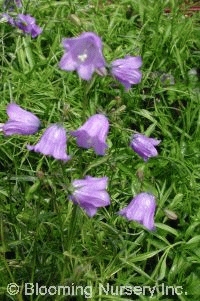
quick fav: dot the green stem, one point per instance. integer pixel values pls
(72, 227)
(87, 87)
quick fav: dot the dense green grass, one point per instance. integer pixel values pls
(44, 238)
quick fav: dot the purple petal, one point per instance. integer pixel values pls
(128, 61)
(53, 143)
(90, 194)
(84, 54)
(94, 183)
(90, 210)
(67, 63)
(141, 209)
(144, 146)
(154, 141)
(85, 196)
(20, 121)
(93, 133)
(127, 70)
(16, 113)
(27, 24)
(85, 71)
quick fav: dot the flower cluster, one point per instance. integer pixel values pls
(89, 193)
(84, 54)
(92, 134)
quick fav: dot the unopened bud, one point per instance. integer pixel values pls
(101, 71)
(170, 214)
(74, 19)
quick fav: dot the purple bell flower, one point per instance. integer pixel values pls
(93, 134)
(28, 25)
(83, 54)
(53, 143)
(20, 121)
(90, 194)
(126, 70)
(141, 209)
(144, 146)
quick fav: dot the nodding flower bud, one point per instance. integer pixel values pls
(144, 146)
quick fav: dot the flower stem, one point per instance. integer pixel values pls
(72, 227)
(87, 87)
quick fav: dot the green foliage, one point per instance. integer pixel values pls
(44, 239)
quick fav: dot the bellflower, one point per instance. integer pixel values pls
(53, 143)
(90, 194)
(144, 146)
(20, 121)
(93, 134)
(26, 23)
(83, 54)
(126, 70)
(141, 209)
